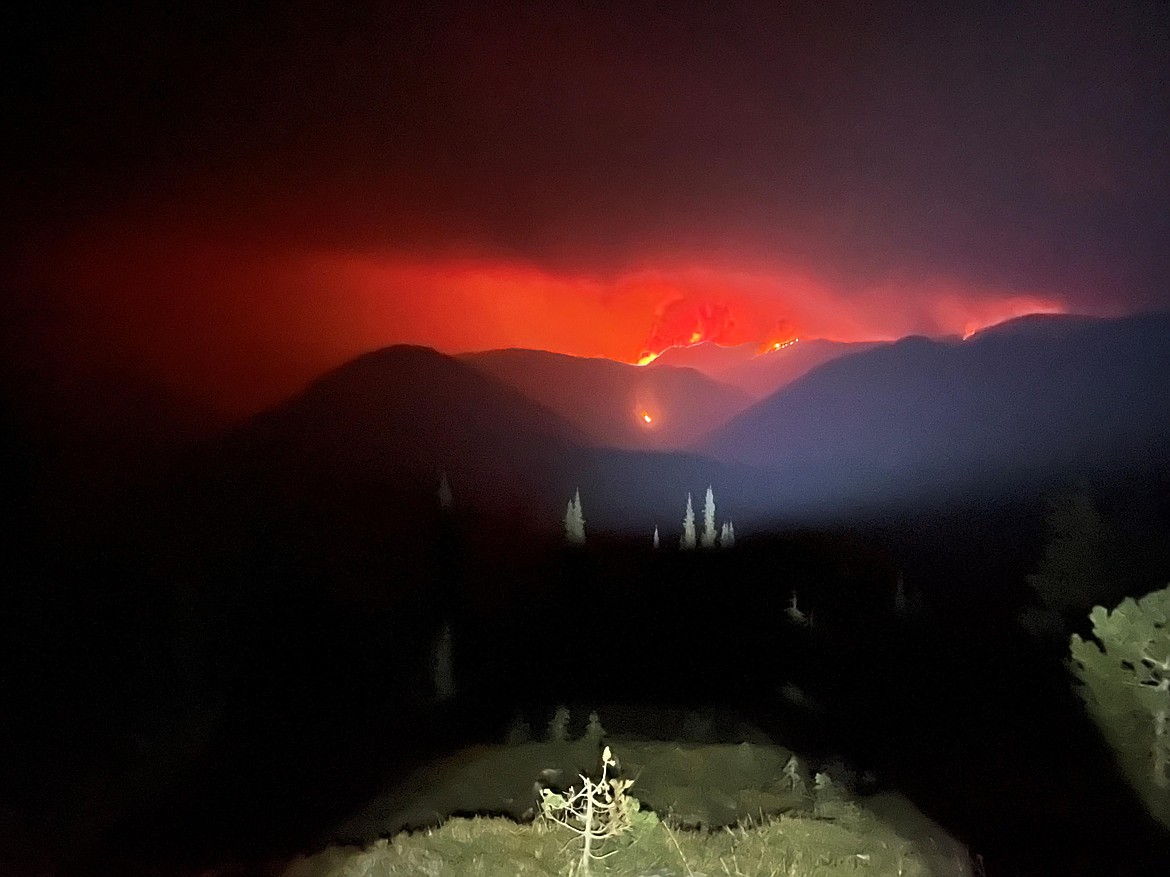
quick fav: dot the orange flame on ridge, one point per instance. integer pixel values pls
(682, 321)
(773, 346)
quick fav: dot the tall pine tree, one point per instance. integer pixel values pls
(575, 521)
(708, 540)
(688, 536)
(727, 535)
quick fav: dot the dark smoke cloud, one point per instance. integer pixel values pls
(884, 167)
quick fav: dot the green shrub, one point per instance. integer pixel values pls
(1124, 677)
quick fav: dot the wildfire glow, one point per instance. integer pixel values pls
(348, 302)
(646, 417)
(683, 319)
(780, 345)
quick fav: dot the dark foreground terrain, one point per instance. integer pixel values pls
(228, 716)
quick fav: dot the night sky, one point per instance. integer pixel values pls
(234, 199)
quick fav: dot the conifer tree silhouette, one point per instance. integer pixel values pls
(688, 536)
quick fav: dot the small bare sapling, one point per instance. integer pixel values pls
(595, 812)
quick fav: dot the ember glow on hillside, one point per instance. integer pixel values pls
(778, 345)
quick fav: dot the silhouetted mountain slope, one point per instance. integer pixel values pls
(708, 357)
(606, 400)
(768, 372)
(918, 419)
(1028, 397)
(409, 412)
(1039, 326)
(367, 442)
(757, 374)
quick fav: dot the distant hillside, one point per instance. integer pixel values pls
(917, 419)
(374, 434)
(768, 372)
(709, 358)
(1028, 396)
(409, 413)
(757, 374)
(608, 400)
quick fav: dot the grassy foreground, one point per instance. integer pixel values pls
(849, 842)
(811, 830)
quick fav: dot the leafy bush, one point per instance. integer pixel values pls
(1124, 676)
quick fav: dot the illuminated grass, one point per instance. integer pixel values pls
(848, 841)
(809, 830)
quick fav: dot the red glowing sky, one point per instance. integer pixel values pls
(237, 202)
(245, 327)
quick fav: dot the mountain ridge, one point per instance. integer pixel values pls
(921, 410)
(609, 400)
